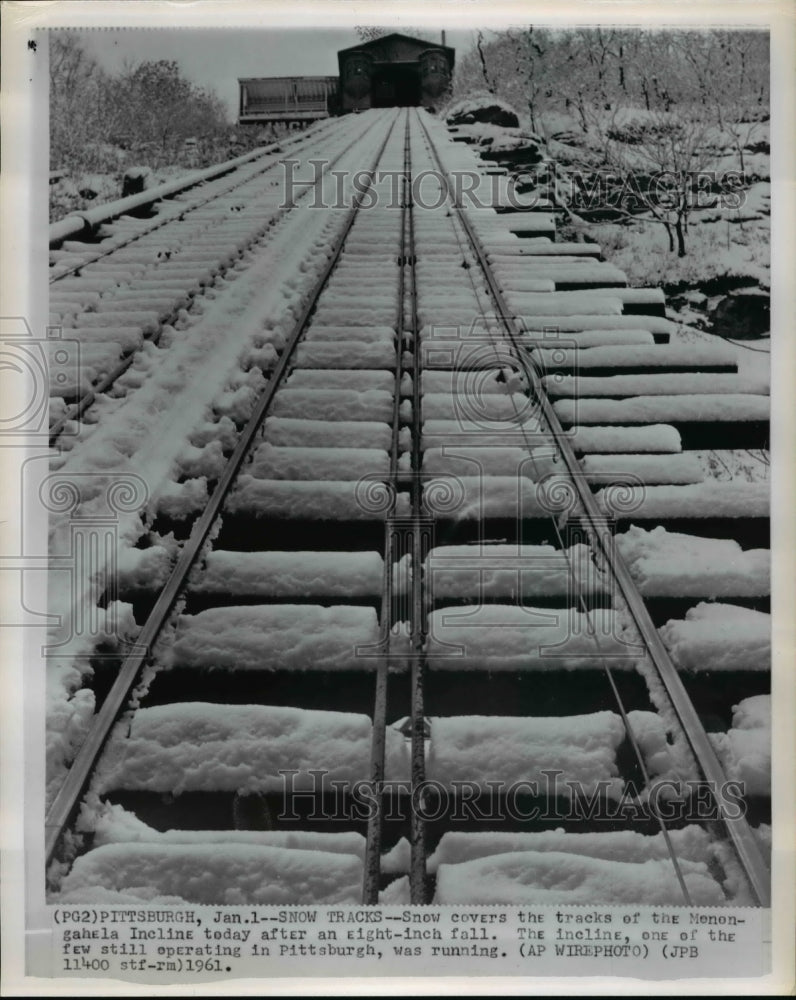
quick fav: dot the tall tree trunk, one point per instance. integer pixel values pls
(482, 57)
(584, 124)
(678, 228)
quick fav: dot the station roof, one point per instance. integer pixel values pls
(396, 47)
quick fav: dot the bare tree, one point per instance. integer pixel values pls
(530, 48)
(650, 104)
(661, 163)
(730, 70)
(101, 123)
(77, 102)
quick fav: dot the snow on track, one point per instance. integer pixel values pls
(720, 637)
(283, 607)
(275, 637)
(552, 878)
(250, 874)
(191, 746)
(291, 574)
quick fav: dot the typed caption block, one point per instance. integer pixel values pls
(151, 943)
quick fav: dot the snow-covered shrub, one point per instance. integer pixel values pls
(482, 107)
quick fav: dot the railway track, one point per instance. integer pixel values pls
(446, 629)
(139, 276)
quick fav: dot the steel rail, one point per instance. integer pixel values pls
(86, 222)
(738, 828)
(76, 782)
(76, 410)
(370, 889)
(417, 625)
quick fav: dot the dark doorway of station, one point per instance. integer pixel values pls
(394, 71)
(396, 86)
